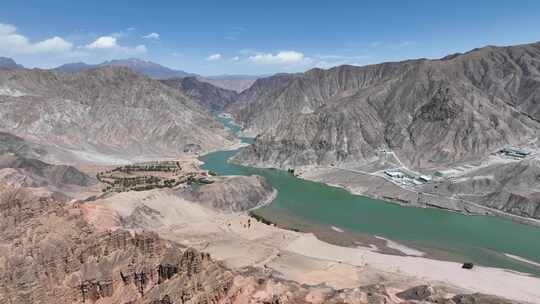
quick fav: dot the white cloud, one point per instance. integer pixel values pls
(55, 44)
(104, 42)
(235, 58)
(54, 50)
(6, 29)
(110, 43)
(294, 60)
(15, 43)
(328, 61)
(283, 57)
(151, 36)
(214, 57)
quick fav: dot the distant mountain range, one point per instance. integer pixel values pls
(236, 83)
(8, 63)
(148, 68)
(151, 69)
(154, 70)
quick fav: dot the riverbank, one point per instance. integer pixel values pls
(440, 234)
(376, 187)
(241, 242)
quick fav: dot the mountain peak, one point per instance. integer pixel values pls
(130, 61)
(140, 66)
(8, 63)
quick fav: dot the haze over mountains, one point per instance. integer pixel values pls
(156, 71)
(237, 83)
(8, 63)
(148, 68)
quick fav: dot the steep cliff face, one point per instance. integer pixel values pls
(51, 255)
(262, 88)
(430, 112)
(209, 96)
(104, 112)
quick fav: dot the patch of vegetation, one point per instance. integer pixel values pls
(139, 177)
(260, 218)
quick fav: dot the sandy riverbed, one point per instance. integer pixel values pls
(240, 241)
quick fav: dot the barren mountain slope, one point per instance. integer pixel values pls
(430, 112)
(38, 173)
(208, 95)
(237, 83)
(10, 143)
(512, 187)
(104, 113)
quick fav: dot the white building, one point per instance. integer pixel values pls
(425, 178)
(394, 174)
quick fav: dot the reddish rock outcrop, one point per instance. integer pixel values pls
(50, 254)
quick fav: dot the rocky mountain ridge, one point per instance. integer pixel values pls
(143, 67)
(108, 114)
(429, 112)
(237, 83)
(209, 96)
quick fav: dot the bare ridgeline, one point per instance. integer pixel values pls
(103, 200)
(469, 122)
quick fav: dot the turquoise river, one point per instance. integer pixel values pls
(483, 240)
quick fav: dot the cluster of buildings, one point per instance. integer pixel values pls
(514, 152)
(398, 175)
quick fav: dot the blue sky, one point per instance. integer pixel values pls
(257, 37)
